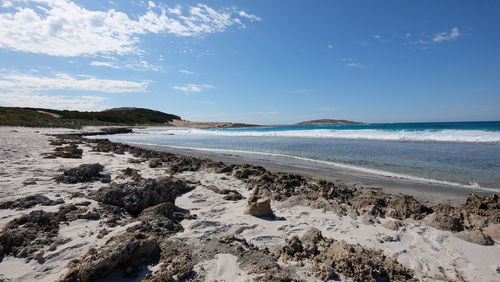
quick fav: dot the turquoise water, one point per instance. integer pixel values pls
(464, 154)
(429, 126)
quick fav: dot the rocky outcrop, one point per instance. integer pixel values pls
(126, 251)
(330, 257)
(476, 213)
(443, 221)
(71, 151)
(229, 194)
(259, 206)
(392, 224)
(132, 173)
(84, 173)
(156, 162)
(29, 202)
(139, 195)
(26, 235)
(493, 230)
(395, 206)
(475, 236)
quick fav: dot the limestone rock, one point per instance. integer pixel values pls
(443, 221)
(84, 173)
(493, 230)
(259, 206)
(475, 236)
(29, 202)
(119, 251)
(392, 224)
(156, 162)
(26, 235)
(137, 196)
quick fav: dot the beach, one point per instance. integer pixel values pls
(156, 213)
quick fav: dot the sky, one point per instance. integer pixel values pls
(258, 61)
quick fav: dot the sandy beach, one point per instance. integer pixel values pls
(158, 216)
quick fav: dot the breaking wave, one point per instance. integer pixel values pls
(447, 135)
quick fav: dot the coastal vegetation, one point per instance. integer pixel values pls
(36, 117)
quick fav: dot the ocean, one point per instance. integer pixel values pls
(464, 154)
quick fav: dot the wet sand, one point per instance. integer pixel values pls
(426, 192)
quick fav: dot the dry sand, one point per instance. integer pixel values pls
(214, 124)
(433, 254)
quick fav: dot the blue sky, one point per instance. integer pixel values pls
(256, 61)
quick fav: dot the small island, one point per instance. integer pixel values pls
(328, 122)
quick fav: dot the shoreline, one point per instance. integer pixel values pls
(433, 193)
(115, 211)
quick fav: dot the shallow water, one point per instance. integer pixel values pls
(467, 164)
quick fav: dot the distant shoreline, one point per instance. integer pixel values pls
(328, 122)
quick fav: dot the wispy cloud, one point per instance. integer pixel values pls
(62, 81)
(103, 64)
(350, 63)
(7, 4)
(64, 28)
(186, 72)
(445, 36)
(298, 91)
(249, 16)
(82, 103)
(140, 65)
(193, 88)
(24, 90)
(326, 109)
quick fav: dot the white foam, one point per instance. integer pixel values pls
(474, 185)
(449, 135)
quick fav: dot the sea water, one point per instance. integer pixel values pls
(458, 153)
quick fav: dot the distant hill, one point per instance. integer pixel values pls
(327, 122)
(34, 117)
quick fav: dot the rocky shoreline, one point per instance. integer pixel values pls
(159, 216)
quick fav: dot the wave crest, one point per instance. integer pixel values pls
(449, 135)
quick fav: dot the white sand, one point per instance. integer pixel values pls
(433, 254)
(224, 268)
(430, 252)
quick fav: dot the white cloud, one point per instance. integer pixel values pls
(63, 28)
(23, 90)
(141, 65)
(249, 16)
(186, 72)
(350, 63)
(7, 4)
(192, 88)
(82, 103)
(331, 46)
(104, 64)
(444, 36)
(326, 109)
(16, 82)
(376, 36)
